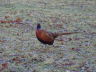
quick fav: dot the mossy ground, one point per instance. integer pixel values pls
(20, 51)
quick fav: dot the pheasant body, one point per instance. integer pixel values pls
(46, 37)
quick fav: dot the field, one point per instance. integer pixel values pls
(20, 51)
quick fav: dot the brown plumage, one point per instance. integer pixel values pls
(46, 37)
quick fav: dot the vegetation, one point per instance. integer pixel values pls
(20, 51)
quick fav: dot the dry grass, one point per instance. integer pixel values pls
(20, 51)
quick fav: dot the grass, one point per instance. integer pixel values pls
(20, 51)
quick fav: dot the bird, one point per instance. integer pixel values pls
(47, 37)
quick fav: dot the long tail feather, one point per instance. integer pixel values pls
(65, 33)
